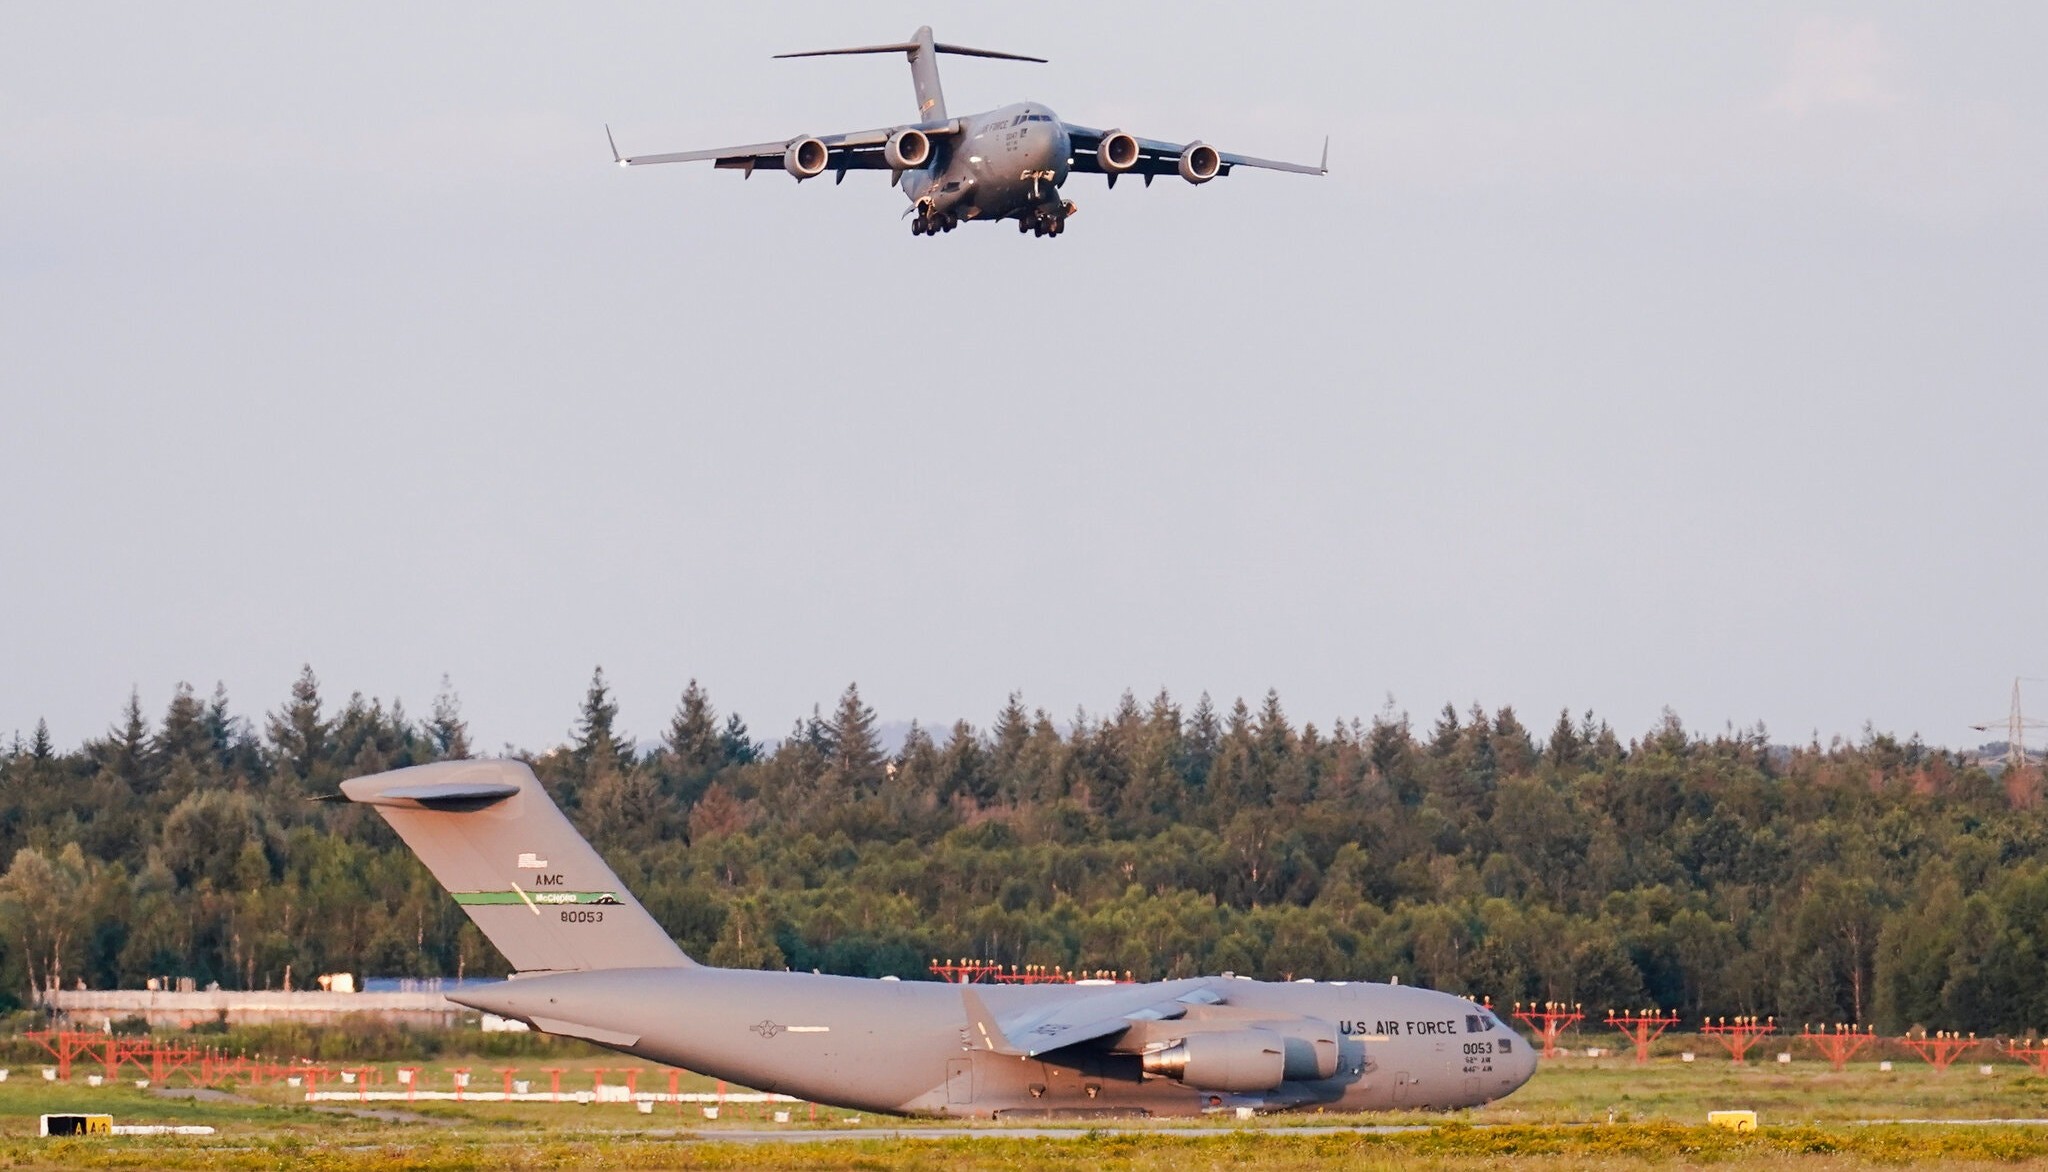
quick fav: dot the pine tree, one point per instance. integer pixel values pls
(42, 755)
(1204, 737)
(739, 746)
(1275, 735)
(855, 761)
(1514, 751)
(129, 743)
(963, 767)
(1390, 750)
(1443, 739)
(183, 736)
(447, 732)
(692, 751)
(1012, 729)
(299, 735)
(597, 740)
(1562, 751)
(912, 779)
(228, 733)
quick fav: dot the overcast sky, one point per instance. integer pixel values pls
(1631, 356)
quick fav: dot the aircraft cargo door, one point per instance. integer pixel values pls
(959, 1081)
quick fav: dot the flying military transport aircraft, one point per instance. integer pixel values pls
(591, 963)
(1002, 165)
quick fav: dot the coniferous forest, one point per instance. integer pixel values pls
(1880, 882)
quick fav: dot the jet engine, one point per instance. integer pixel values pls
(907, 150)
(1117, 152)
(806, 158)
(1199, 163)
(1232, 1060)
(1312, 1049)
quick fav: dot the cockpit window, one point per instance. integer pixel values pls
(1472, 1024)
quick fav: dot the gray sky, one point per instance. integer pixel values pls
(1632, 356)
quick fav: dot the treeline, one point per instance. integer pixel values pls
(1881, 882)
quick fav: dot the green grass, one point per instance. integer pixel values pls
(1451, 1147)
(1581, 1090)
(1811, 1115)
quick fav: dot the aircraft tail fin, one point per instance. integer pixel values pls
(498, 843)
(923, 53)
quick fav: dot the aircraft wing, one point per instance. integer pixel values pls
(858, 150)
(1163, 158)
(1043, 1029)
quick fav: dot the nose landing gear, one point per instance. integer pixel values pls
(930, 221)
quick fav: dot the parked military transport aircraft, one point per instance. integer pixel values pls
(1004, 164)
(592, 964)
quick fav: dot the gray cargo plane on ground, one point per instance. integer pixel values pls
(592, 964)
(1004, 164)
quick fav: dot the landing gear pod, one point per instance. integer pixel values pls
(806, 158)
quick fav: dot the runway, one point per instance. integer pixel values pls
(1076, 1132)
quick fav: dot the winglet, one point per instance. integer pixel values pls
(1326, 153)
(983, 1031)
(621, 159)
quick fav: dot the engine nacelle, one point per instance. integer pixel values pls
(806, 158)
(1312, 1049)
(1232, 1060)
(1200, 162)
(907, 150)
(1118, 152)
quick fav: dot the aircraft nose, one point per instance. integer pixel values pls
(1049, 150)
(1525, 1063)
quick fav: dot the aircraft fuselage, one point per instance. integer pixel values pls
(1008, 163)
(907, 1047)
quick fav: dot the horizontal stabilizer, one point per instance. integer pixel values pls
(912, 47)
(443, 795)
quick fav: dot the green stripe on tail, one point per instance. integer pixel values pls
(541, 898)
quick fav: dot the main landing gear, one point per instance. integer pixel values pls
(1050, 220)
(931, 222)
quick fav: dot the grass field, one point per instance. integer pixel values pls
(1604, 1113)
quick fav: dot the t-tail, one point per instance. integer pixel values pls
(497, 842)
(923, 52)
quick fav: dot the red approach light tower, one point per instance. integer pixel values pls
(2032, 1051)
(1838, 1043)
(1940, 1048)
(1738, 1035)
(964, 971)
(1034, 974)
(1641, 1027)
(1549, 1019)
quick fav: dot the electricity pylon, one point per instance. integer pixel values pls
(2016, 726)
